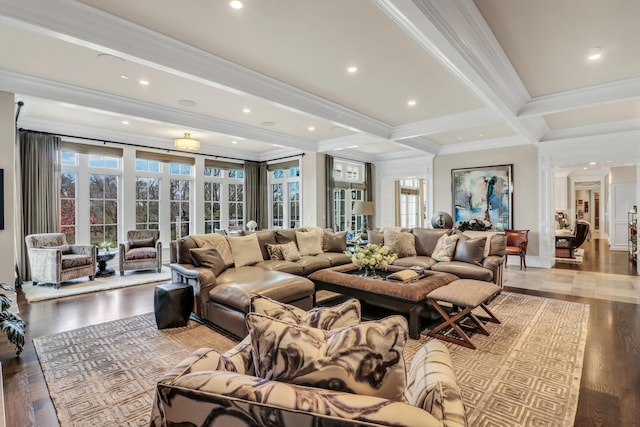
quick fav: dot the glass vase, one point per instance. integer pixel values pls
(369, 272)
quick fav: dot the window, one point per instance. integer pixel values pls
(236, 205)
(180, 207)
(285, 197)
(212, 206)
(349, 178)
(68, 205)
(103, 208)
(410, 204)
(147, 203)
(223, 197)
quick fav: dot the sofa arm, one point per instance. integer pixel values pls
(45, 264)
(495, 263)
(201, 279)
(88, 250)
(432, 385)
(201, 398)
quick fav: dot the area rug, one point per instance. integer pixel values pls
(85, 286)
(577, 259)
(526, 373)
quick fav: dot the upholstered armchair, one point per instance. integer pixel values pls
(566, 245)
(517, 241)
(141, 251)
(53, 260)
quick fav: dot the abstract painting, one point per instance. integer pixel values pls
(483, 193)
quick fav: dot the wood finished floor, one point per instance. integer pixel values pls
(609, 392)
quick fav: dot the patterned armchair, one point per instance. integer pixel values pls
(53, 260)
(141, 251)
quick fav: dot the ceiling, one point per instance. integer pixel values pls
(271, 79)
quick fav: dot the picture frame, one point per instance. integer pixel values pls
(483, 193)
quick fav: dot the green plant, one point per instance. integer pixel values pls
(10, 323)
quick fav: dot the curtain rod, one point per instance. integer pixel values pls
(104, 141)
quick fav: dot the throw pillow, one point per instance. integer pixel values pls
(494, 241)
(445, 248)
(375, 237)
(426, 239)
(287, 251)
(209, 258)
(334, 242)
(245, 250)
(309, 242)
(148, 242)
(470, 250)
(218, 241)
(327, 318)
(287, 235)
(362, 359)
(402, 244)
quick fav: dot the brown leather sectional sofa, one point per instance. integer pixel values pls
(226, 271)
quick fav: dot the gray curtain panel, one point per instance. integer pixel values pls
(20, 250)
(256, 186)
(40, 177)
(330, 184)
(369, 193)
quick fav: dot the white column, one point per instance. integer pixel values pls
(7, 147)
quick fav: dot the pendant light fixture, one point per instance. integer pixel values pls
(187, 143)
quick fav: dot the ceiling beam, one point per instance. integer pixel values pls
(467, 119)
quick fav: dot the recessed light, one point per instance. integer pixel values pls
(236, 4)
(460, 138)
(234, 142)
(592, 163)
(186, 103)
(124, 122)
(352, 69)
(594, 53)
(482, 134)
(124, 76)
(144, 82)
(411, 102)
(246, 110)
(311, 128)
(584, 168)
(267, 123)
(278, 145)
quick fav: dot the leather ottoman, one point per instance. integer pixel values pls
(172, 304)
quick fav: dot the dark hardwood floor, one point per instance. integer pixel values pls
(609, 393)
(598, 258)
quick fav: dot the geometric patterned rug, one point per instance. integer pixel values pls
(525, 373)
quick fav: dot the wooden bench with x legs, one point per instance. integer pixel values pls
(463, 296)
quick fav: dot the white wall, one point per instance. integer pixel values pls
(313, 190)
(7, 143)
(623, 198)
(524, 159)
(387, 172)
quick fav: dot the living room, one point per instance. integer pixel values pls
(542, 112)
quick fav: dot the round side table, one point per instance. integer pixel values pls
(103, 269)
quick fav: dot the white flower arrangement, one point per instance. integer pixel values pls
(475, 225)
(252, 224)
(372, 257)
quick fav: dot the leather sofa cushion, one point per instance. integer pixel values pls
(312, 263)
(375, 237)
(266, 237)
(426, 239)
(209, 258)
(235, 286)
(335, 258)
(419, 260)
(286, 235)
(464, 270)
(281, 265)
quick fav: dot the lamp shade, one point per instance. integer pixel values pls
(363, 208)
(187, 143)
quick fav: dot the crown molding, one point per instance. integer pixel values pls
(344, 142)
(63, 92)
(419, 144)
(86, 26)
(582, 98)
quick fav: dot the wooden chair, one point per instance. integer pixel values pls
(517, 241)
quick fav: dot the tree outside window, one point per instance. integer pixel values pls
(103, 209)
(68, 205)
(147, 203)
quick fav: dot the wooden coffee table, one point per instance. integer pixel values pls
(405, 298)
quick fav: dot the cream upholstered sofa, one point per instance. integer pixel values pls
(53, 260)
(225, 270)
(314, 369)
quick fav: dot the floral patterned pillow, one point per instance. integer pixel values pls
(327, 318)
(363, 359)
(284, 251)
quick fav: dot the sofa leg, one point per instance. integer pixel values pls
(121, 272)
(91, 277)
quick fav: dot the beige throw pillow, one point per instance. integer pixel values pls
(218, 241)
(445, 248)
(209, 258)
(402, 244)
(309, 242)
(285, 251)
(362, 359)
(245, 249)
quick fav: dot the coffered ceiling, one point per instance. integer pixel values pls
(271, 79)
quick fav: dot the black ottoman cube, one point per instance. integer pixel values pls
(172, 304)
